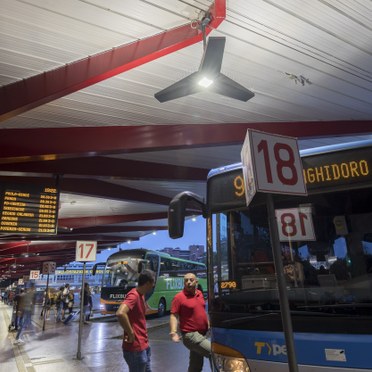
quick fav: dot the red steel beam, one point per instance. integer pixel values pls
(28, 247)
(92, 187)
(51, 143)
(109, 167)
(108, 220)
(97, 237)
(111, 229)
(37, 90)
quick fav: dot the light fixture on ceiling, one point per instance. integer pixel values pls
(208, 76)
(205, 82)
(27, 253)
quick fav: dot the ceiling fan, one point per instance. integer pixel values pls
(208, 76)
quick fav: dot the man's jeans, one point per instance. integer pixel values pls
(25, 321)
(138, 361)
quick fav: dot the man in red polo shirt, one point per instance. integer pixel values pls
(131, 316)
(188, 308)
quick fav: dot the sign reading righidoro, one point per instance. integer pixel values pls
(28, 209)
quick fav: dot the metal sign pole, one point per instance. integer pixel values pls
(282, 286)
(44, 308)
(78, 354)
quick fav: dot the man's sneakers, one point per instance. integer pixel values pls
(18, 342)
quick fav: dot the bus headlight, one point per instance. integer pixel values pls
(226, 359)
(230, 364)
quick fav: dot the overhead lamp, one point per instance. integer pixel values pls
(205, 82)
(28, 254)
(211, 65)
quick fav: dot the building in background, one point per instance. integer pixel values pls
(196, 252)
(72, 274)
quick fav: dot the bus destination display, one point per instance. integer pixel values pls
(323, 171)
(28, 209)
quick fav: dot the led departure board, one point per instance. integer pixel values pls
(28, 209)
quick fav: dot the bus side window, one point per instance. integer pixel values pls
(153, 262)
(165, 266)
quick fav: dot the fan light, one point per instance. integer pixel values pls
(205, 82)
(196, 82)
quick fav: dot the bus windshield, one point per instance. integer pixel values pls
(331, 274)
(123, 272)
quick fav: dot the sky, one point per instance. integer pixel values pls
(194, 233)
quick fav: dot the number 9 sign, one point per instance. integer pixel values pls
(276, 163)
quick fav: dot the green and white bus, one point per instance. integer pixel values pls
(122, 269)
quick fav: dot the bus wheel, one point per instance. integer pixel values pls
(161, 308)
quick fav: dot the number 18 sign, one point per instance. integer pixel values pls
(274, 163)
(86, 251)
(295, 224)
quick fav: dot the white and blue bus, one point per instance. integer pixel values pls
(328, 271)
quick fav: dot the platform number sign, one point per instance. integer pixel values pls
(86, 251)
(49, 268)
(275, 163)
(34, 274)
(295, 224)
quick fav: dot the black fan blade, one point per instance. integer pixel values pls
(188, 85)
(230, 88)
(212, 57)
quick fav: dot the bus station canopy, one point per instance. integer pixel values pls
(77, 86)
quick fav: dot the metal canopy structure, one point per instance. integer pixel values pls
(77, 85)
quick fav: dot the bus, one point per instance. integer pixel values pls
(122, 269)
(326, 258)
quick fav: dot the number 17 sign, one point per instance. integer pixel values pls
(86, 251)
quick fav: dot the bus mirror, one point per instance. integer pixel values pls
(177, 211)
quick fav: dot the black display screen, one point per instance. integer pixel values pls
(28, 209)
(322, 172)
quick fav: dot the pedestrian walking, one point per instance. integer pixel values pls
(67, 303)
(188, 312)
(87, 302)
(26, 303)
(59, 304)
(16, 315)
(131, 316)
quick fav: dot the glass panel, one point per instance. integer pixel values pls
(329, 275)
